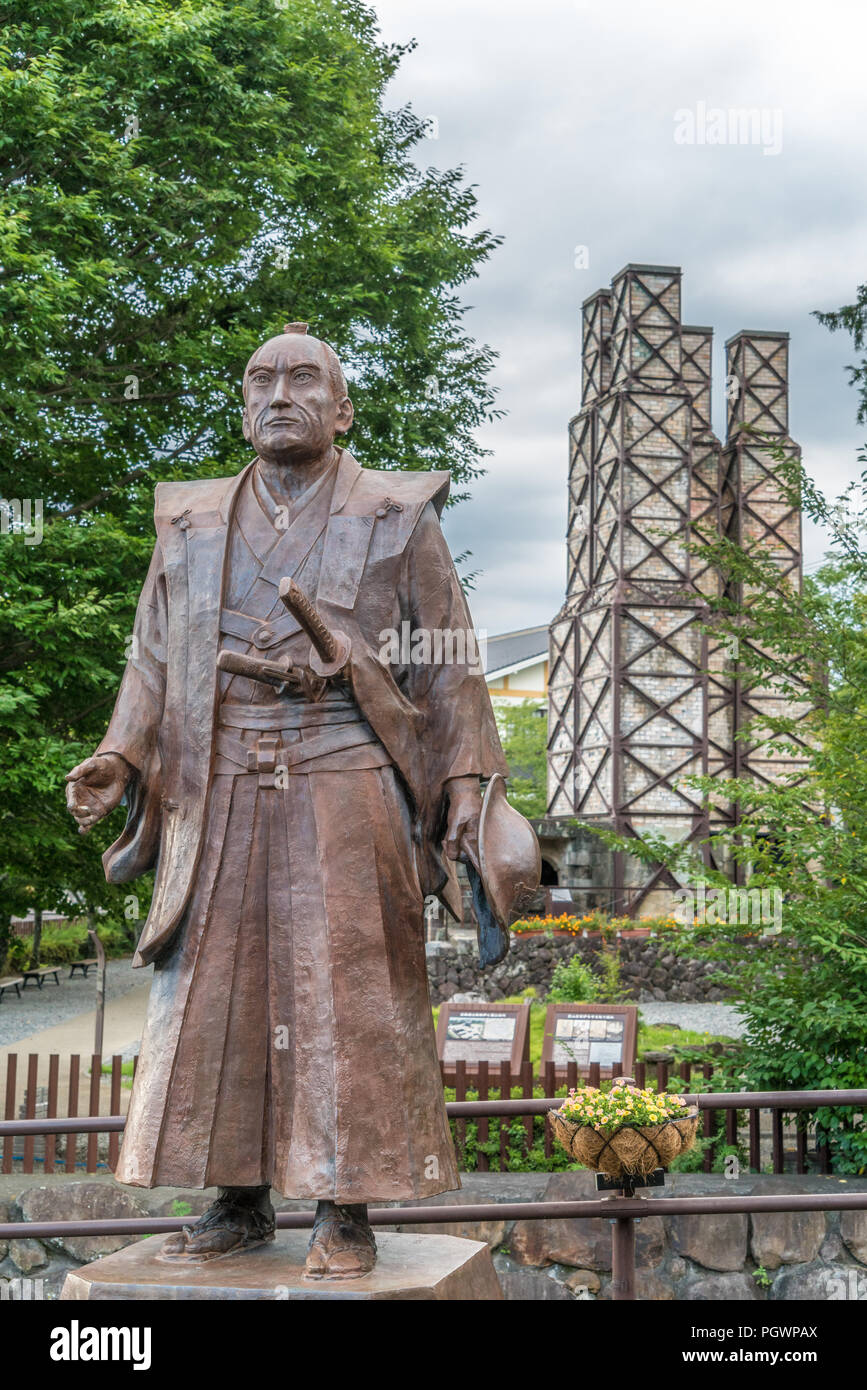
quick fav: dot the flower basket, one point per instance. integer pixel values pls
(625, 1149)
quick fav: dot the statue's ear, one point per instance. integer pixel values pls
(245, 424)
(345, 416)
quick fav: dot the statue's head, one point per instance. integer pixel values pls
(295, 400)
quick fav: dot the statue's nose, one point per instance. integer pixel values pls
(281, 394)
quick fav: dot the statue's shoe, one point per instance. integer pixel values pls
(226, 1228)
(341, 1247)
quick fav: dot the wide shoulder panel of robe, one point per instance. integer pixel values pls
(373, 515)
(410, 489)
(201, 499)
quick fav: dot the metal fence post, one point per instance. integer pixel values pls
(623, 1256)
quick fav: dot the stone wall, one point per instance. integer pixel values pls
(777, 1256)
(804, 1255)
(650, 969)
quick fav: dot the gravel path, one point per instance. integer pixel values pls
(701, 1018)
(50, 1005)
(43, 1008)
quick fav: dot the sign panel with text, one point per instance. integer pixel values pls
(493, 1033)
(588, 1033)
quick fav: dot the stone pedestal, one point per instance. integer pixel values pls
(407, 1267)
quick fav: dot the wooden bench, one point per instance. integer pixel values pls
(11, 982)
(85, 966)
(41, 974)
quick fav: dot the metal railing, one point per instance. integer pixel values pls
(92, 1087)
(619, 1208)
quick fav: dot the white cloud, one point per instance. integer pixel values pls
(563, 116)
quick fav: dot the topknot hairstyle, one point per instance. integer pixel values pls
(335, 371)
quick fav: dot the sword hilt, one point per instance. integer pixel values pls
(304, 612)
(329, 650)
(271, 672)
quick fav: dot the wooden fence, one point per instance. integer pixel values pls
(78, 1088)
(694, 1076)
(41, 1088)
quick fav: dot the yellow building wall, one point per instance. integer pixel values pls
(529, 684)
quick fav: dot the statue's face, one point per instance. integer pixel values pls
(292, 413)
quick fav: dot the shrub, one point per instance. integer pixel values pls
(610, 987)
(62, 945)
(572, 982)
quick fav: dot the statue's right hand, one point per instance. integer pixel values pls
(95, 787)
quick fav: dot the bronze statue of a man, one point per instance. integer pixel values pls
(295, 801)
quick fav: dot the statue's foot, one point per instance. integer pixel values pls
(240, 1219)
(175, 1244)
(342, 1244)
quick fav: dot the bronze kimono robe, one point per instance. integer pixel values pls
(289, 1037)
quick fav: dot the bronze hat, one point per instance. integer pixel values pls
(510, 868)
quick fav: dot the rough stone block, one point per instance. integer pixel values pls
(832, 1249)
(819, 1282)
(786, 1237)
(195, 1203)
(718, 1242)
(650, 1287)
(531, 1285)
(27, 1255)
(82, 1201)
(720, 1288)
(491, 1233)
(853, 1229)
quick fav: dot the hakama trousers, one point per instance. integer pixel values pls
(289, 1037)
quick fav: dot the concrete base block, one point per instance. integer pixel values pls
(408, 1267)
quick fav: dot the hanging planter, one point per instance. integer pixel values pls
(624, 1132)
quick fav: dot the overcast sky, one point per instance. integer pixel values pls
(563, 115)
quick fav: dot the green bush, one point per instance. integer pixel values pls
(573, 982)
(62, 945)
(523, 1155)
(610, 987)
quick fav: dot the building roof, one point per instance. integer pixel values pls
(515, 649)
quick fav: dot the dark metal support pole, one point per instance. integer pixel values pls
(622, 1243)
(623, 1258)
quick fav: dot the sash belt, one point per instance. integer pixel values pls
(260, 631)
(266, 760)
(299, 714)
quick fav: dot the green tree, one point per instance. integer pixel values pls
(523, 733)
(852, 319)
(799, 976)
(179, 177)
(803, 987)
